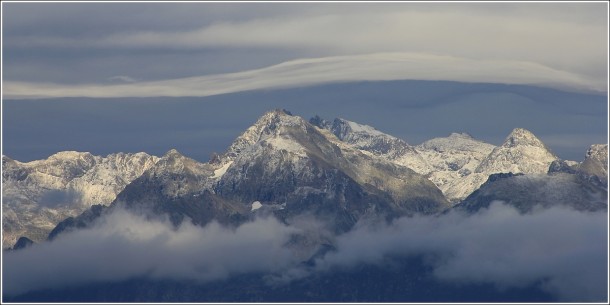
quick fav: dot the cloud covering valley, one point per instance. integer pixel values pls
(497, 245)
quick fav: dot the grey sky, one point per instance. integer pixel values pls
(154, 76)
(159, 50)
(70, 43)
(197, 126)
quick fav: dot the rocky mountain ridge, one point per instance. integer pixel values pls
(457, 164)
(282, 161)
(340, 170)
(38, 194)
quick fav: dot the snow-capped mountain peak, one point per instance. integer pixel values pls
(70, 155)
(521, 152)
(38, 194)
(173, 162)
(453, 160)
(343, 128)
(596, 162)
(283, 158)
(364, 137)
(373, 141)
(172, 153)
(521, 136)
(598, 152)
(271, 123)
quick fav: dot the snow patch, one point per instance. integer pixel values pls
(288, 145)
(256, 205)
(364, 128)
(222, 170)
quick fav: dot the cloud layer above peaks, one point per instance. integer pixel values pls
(303, 72)
(162, 45)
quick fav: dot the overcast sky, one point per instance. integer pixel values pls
(152, 75)
(68, 44)
(153, 50)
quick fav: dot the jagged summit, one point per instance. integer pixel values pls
(521, 152)
(38, 194)
(363, 137)
(172, 153)
(343, 128)
(282, 161)
(521, 136)
(320, 122)
(283, 111)
(284, 158)
(453, 160)
(175, 162)
(271, 123)
(596, 162)
(371, 140)
(598, 152)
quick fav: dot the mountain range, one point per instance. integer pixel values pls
(39, 194)
(339, 171)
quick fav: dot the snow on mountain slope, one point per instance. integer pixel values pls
(177, 175)
(448, 162)
(38, 194)
(284, 159)
(180, 187)
(265, 126)
(521, 152)
(453, 160)
(283, 145)
(594, 166)
(457, 164)
(369, 139)
(534, 191)
(596, 161)
(465, 166)
(290, 168)
(110, 175)
(340, 168)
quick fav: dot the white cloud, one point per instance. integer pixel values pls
(567, 37)
(562, 249)
(122, 245)
(303, 72)
(566, 250)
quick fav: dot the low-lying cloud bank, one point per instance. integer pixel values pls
(122, 246)
(313, 71)
(563, 249)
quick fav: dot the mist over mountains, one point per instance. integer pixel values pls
(293, 203)
(512, 256)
